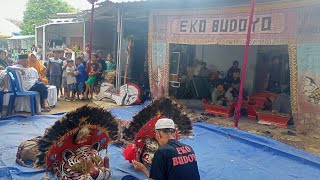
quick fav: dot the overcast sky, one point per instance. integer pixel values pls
(13, 9)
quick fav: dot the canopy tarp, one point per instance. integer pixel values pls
(7, 28)
(21, 37)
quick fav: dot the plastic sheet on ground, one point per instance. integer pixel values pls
(126, 113)
(222, 153)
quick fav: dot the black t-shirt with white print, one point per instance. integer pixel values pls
(174, 161)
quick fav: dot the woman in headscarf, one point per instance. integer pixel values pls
(35, 63)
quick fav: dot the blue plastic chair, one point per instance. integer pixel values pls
(17, 91)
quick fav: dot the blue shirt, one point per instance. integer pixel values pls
(82, 76)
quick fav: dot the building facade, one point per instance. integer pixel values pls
(293, 24)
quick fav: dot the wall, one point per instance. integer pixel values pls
(219, 57)
(308, 100)
(39, 36)
(64, 30)
(103, 36)
(61, 31)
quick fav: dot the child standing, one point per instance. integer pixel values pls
(93, 69)
(64, 73)
(81, 77)
(228, 95)
(55, 70)
(71, 80)
(110, 69)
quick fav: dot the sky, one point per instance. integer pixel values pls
(13, 9)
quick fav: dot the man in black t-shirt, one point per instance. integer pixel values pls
(235, 78)
(173, 160)
(234, 67)
(274, 75)
(102, 65)
(101, 61)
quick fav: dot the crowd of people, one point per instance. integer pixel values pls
(80, 77)
(227, 86)
(227, 89)
(75, 78)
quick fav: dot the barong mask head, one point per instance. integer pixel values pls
(141, 129)
(71, 146)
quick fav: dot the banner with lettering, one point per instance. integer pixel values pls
(231, 26)
(284, 23)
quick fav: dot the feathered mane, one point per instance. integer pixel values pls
(82, 116)
(160, 107)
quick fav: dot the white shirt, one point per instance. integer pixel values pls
(71, 78)
(86, 57)
(64, 72)
(29, 78)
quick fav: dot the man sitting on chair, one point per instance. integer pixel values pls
(31, 81)
(282, 103)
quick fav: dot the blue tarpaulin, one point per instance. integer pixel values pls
(222, 153)
(126, 113)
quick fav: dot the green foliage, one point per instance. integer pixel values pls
(39, 11)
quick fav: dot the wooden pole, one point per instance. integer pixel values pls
(128, 52)
(44, 42)
(244, 66)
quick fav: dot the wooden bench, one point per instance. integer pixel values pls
(217, 110)
(251, 110)
(277, 119)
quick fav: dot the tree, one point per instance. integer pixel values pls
(39, 11)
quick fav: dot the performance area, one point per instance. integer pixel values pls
(222, 153)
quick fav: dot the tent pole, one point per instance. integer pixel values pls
(120, 45)
(244, 66)
(35, 37)
(43, 42)
(118, 51)
(91, 30)
(84, 35)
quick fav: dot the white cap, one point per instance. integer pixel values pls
(164, 123)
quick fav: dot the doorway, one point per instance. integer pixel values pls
(265, 56)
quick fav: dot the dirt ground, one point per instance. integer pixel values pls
(65, 106)
(310, 143)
